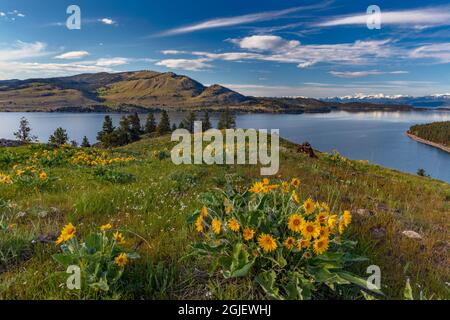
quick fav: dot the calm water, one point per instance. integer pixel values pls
(375, 136)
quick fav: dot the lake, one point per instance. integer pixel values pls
(375, 136)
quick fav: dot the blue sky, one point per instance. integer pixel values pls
(262, 48)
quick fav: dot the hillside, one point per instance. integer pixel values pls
(145, 90)
(149, 199)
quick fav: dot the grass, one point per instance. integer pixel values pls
(149, 200)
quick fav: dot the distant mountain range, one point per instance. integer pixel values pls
(149, 90)
(431, 101)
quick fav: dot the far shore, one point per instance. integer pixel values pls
(430, 143)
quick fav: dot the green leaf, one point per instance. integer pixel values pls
(407, 293)
(242, 272)
(65, 260)
(267, 282)
(358, 281)
(94, 242)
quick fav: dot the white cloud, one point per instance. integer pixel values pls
(238, 20)
(23, 50)
(73, 55)
(424, 16)
(360, 74)
(2, 14)
(265, 42)
(107, 21)
(185, 64)
(437, 51)
(111, 62)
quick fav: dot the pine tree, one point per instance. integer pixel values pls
(164, 125)
(24, 132)
(206, 123)
(59, 137)
(123, 132)
(135, 127)
(174, 127)
(188, 122)
(85, 143)
(107, 136)
(150, 123)
(227, 120)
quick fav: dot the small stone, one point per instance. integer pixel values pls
(54, 210)
(21, 214)
(412, 234)
(363, 212)
(42, 214)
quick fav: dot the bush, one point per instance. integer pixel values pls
(113, 176)
(291, 249)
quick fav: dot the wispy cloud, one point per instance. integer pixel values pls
(72, 55)
(431, 16)
(23, 50)
(360, 74)
(437, 51)
(107, 21)
(239, 20)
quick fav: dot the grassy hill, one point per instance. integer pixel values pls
(148, 90)
(149, 199)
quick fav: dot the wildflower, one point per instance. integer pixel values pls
(120, 239)
(43, 176)
(310, 230)
(285, 187)
(325, 207)
(199, 224)
(204, 212)
(233, 225)
(308, 205)
(322, 218)
(295, 197)
(303, 244)
(249, 233)
(67, 233)
(121, 260)
(289, 243)
(295, 223)
(347, 218)
(332, 220)
(228, 209)
(321, 245)
(341, 227)
(216, 226)
(105, 227)
(257, 187)
(296, 182)
(20, 172)
(267, 243)
(266, 181)
(5, 179)
(324, 232)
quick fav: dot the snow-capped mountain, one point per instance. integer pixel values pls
(431, 101)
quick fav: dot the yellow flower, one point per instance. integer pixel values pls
(216, 225)
(266, 181)
(120, 239)
(257, 187)
(267, 243)
(121, 260)
(105, 227)
(347, 218)
(20, 172)
(233, 225)
(295, 197)
(67, 233)
(295, 223)
(296, 182)
(289, 243)
(199, 224)
(308, 205)
(322, 218)
(285, 187)
(310, 230)
(325, 207)
(321, 245)
(249, 233)
(43, 176)
(204, 212)
(341, 227)
(303, 244)
(324, 232)
(228, 209)
(332, 220)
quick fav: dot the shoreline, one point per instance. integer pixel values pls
(430, 143)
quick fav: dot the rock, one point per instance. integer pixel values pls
(54, 210)
(21, 214)
(411, 234)
(363, 213)
(307, 149)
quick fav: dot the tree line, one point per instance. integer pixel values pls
(438, 132)
(129, 129)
